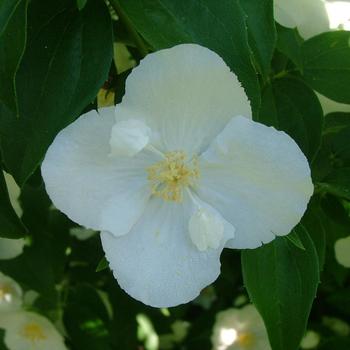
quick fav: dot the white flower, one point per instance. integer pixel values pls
(206, 298)
(179, 333)
(240, 329)
(337, 325)
(10, 294)
(330, 106)
(205, 176)
(313, 17)
(309, 16)
(310, 340)
(30, 331)
(11, 248)
(342, 249)
(14, 193)
(81, 233)
(338, 14)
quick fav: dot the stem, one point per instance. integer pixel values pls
(283, 73)
(129, 26)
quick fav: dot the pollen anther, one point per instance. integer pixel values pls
(33, 332)
(169, 176)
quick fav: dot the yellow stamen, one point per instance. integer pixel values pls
(33, 332)
(246, 340)
(169, 176)
(4, 291)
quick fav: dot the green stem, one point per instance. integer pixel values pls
(283, 73)
(130, 27)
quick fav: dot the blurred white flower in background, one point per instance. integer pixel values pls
(313, 17)
(175, 173)
(337, 325)
(10, 294)
(82, 233)
(342, 251)
(338, 14)
(146, 332)
(11, 248)
(240, 300)
(29, 331)
(14, 193)
(309, 16)
(240, 329)
(310, 340)
(330, 106)
(206, 298)
(179, 332)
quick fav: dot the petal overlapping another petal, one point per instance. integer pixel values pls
(156, 262)
(186, 94)
(258, 179)
(89, 185)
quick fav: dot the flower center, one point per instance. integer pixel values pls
(5, 293)
(246, 340)
(33, 332)
(169, 176)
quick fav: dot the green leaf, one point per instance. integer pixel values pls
(42, 263)
(13, 40)
(337, 225)
(314, 223)
(10, 224)
(7, 8)
(289, 105)
(335, 122)
(262, 31)
(334, 154)
(289, 43)
(337, 183)
(67, 59)
(282, 280)
(81, 4)
(86, 319)
(326, 61)
(218, 25)
(294, 238)
(339, 300)
(340, 343)
(102, 265)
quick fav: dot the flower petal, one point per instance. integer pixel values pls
(29, 331)
(10, 294)
(95, 189)
(342, 248)
(258, 179)
(310, 17)
(187, 94)
(11, 248)
(330, 106)
(157, 263)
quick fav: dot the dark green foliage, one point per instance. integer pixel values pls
(282, 280)
(65, 63)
